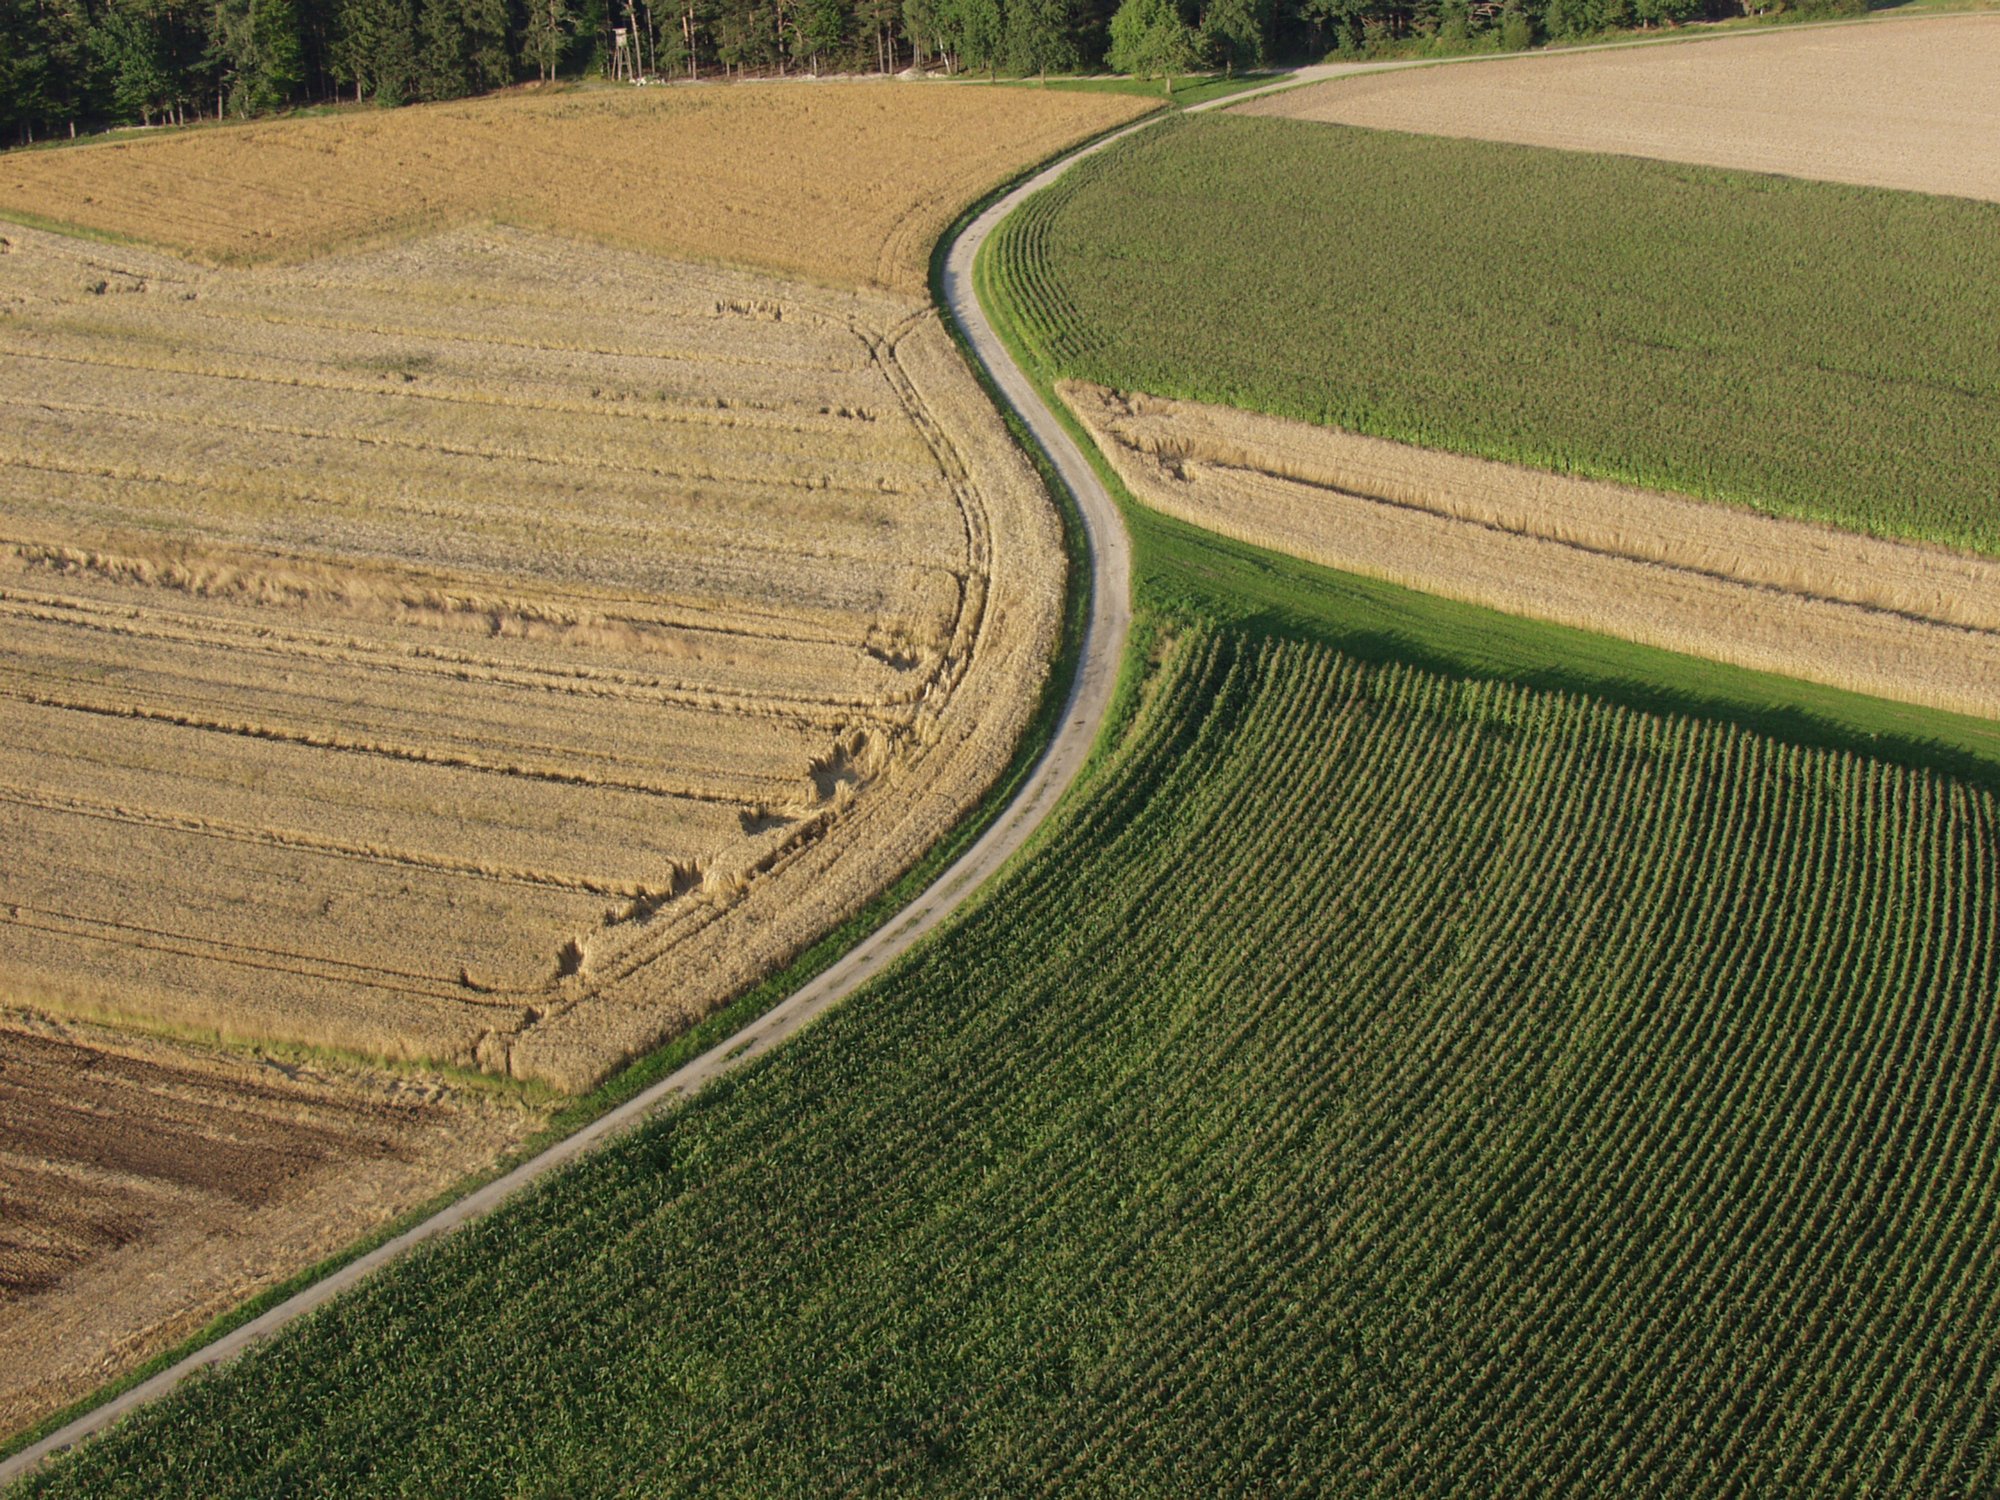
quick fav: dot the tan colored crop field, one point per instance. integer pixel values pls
(1911, 103)
(442, 622)
(147, 1184)
(1899, 620)
(419, 655)
(849, 183)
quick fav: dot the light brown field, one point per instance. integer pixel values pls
(150, 1184)
(1898, 620)
(849, 183)
(413, 655)
(1910, 103)
(426, 634)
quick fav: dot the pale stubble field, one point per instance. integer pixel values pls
(1901, 620)
(494, 643)
(1908, 103)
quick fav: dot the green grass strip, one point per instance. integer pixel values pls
(1801, 348)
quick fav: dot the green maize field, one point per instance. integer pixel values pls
(1801, 348)
(1380, 1083)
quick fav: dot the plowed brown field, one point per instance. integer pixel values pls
(148, 1183)
(1897, 620)
(1911, 103)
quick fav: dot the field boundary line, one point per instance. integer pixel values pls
(1085, 708)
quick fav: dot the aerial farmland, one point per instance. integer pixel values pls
(462, 647)
(777, 787)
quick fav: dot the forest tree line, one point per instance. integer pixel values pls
(73, 65)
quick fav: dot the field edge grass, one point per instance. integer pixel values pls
(638, 1075)
(1304, 599)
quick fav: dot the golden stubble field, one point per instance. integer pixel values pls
(447, 618)
(850, 183)
(416, 654)
(1911, 103)
(1897, 620)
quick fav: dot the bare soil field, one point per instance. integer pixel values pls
(1898, 620)
(849, 183)
(149, 1185)
(420, 655)
(1909, 104)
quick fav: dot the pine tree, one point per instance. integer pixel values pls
(392, 54)
(441, 49)
(489, 64)
(256, 46)
(130, 45)
(819, 28)
(546, 37)
(24, 69)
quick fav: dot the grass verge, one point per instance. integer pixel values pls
(574, 1114)
(1182, 574)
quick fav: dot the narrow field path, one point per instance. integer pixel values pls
(1103, 647)
(1102, 650)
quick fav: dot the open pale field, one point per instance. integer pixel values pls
(1897, 620)
(1898, 104)
(435, 625)
(419, 655)
(1803, 349)
(123, 1158)
(849, 183)
(1385, 1084)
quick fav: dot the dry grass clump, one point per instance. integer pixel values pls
(850, 183)
(1911, 104)
(416, 653)
(152, 1184)
(1898, 620)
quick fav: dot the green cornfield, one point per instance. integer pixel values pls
(1800, 348)
(1381, 1083)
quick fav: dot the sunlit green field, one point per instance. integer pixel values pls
(1383, 1083)
(1803, 348)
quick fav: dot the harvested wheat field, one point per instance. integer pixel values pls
(1915, 623)
(417, 655)
(1912, 103)
(437, 627)
(849, 183)
(150, 1184)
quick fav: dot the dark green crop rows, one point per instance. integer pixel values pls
(1802, 348)
(1382, 1084)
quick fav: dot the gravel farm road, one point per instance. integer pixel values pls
(1103, 647)
(1102, 650)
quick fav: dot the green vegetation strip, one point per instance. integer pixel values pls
(1184, 575)
(1805, 349)
(1382, 1083)
(572, 1115)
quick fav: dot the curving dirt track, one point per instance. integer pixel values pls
(1102, 649)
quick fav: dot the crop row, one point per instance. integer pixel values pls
(1383, 1083)
(1801, 348)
